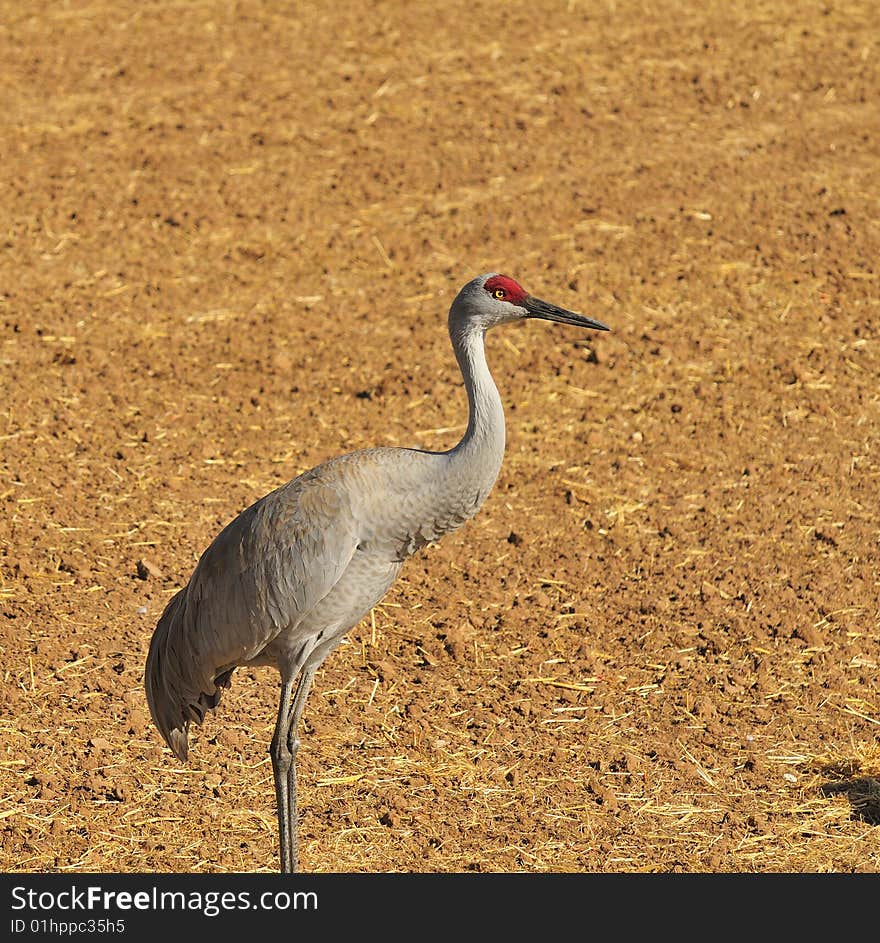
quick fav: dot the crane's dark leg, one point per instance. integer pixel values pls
(282, 763)
(299, 702)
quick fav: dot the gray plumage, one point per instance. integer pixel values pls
(286, 580)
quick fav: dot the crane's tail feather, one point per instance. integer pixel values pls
(174, 701)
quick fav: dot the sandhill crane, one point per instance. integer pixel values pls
(283, 582)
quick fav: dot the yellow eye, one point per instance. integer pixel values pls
(499, 293)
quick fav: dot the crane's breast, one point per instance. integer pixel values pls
(363, 584)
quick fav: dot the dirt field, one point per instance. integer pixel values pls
(231, 236)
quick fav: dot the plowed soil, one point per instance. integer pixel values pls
(231, 234)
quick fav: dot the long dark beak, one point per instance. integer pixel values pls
(550, 312)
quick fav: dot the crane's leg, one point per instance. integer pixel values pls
(299, 702)
(282, 763)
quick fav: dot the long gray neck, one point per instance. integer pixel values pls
(447, 488)
(481, 449)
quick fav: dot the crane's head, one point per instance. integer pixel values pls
(495, 299)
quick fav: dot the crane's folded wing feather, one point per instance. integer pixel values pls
(262, 573)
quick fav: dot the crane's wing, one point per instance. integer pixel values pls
(260, 575)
